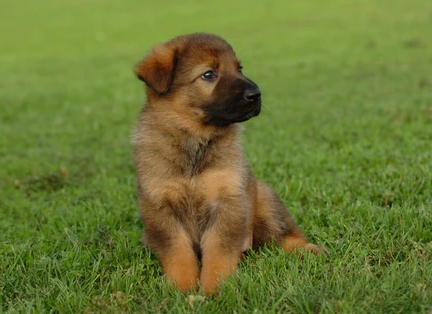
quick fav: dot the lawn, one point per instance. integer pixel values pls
(345, 137)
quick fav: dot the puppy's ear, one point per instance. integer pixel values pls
(157, 69)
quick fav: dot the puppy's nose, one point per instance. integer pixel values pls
(252, 94)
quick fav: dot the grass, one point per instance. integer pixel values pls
(345, 138)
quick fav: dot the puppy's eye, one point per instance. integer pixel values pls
(240, 68)
(209, 75)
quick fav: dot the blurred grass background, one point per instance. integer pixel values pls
(344, 137)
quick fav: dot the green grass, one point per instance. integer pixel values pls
(345, 138)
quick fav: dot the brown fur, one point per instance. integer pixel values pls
(197, 195)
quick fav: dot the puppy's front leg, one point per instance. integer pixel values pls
(175, 251)
(222, 242)
(230, 219)
(220, 256)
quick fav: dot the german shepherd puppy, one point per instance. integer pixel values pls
(201, 205)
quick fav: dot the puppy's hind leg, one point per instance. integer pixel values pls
(272, 222)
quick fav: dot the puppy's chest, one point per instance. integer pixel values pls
(206, 176)
(197, 158)
(188, 204)
(197, 201)
(202, 193)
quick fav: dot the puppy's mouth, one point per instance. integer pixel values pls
(223, 118)
(238, 102)
(252, 112)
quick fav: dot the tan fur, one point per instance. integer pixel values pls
(197, 195)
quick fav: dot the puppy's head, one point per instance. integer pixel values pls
(201, 73)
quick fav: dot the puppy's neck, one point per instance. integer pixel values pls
(192, 146)
(189, 125)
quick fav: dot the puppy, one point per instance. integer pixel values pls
(201, 205)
